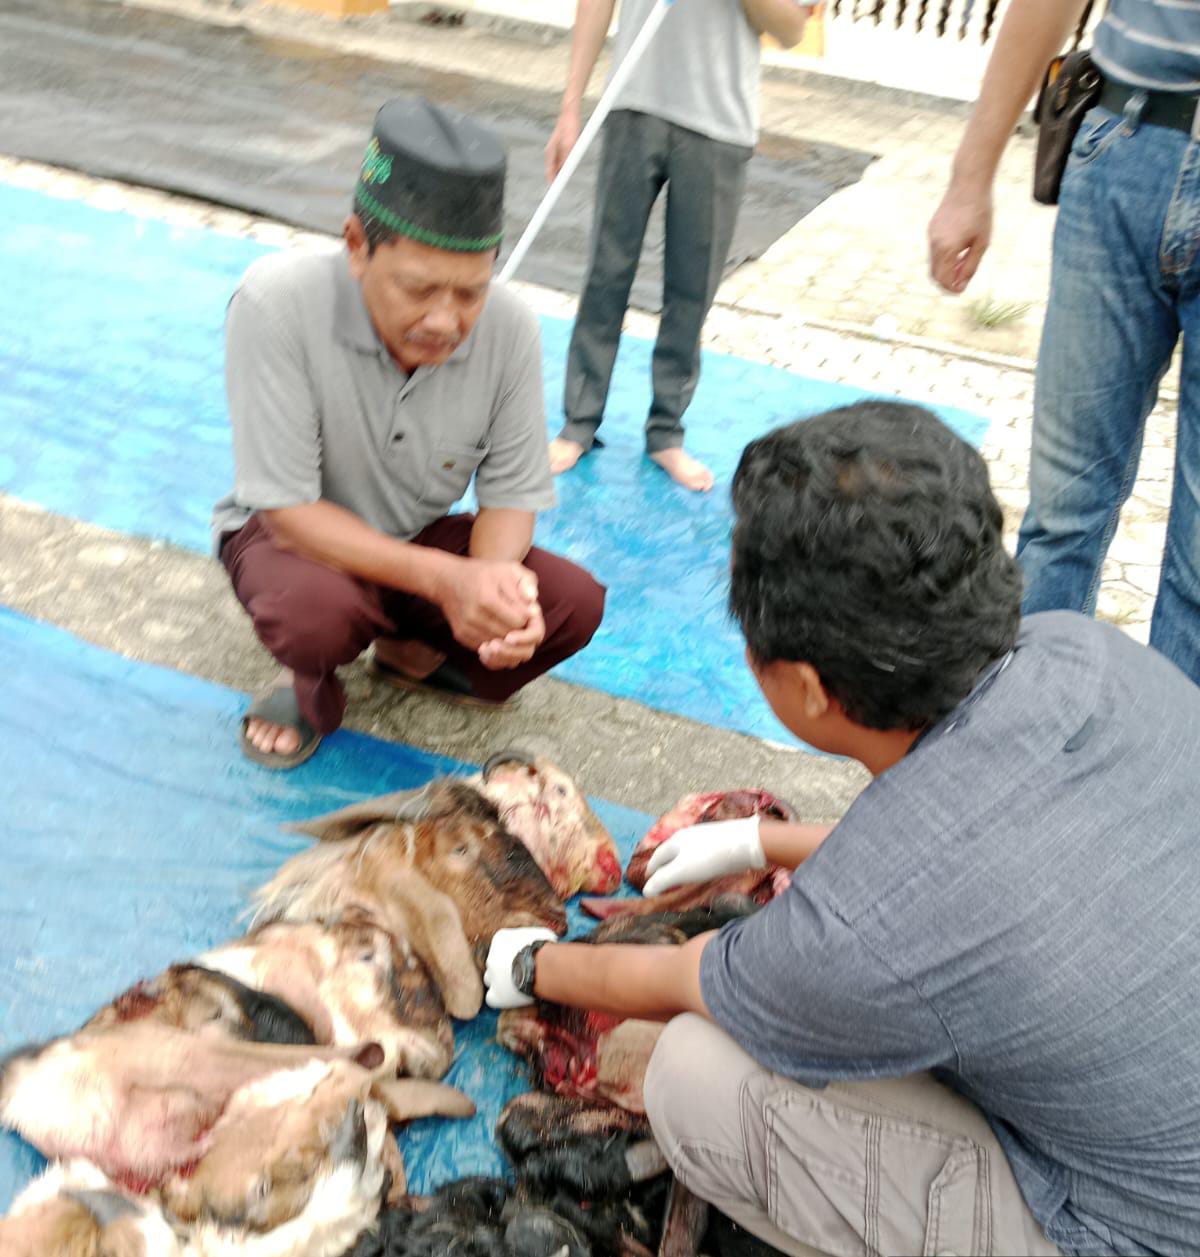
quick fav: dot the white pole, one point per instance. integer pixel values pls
(576, 155)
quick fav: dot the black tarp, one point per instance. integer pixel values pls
(277, 127)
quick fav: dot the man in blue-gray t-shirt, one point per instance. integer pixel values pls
(972, 1024)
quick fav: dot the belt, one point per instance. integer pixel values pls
(1162, 109)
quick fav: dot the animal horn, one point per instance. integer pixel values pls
(510, 756)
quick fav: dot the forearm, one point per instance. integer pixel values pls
(783, 19)
(592, 20)
(330, 534)
(789, 845)
(624, 979)
(502, 534)
(1032, 32)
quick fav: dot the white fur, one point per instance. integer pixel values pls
(343, 1203)
(55, 1093)
(79, 1175)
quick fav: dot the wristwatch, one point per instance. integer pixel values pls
(524, 967)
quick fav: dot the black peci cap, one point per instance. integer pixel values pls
(435, 175)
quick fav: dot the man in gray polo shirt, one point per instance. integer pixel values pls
(971, 1024)
(367, 387)
(686, 120)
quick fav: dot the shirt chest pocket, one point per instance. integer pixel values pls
(449, 472)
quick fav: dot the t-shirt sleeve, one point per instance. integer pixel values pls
(798, 988)
(276, 431)
(515, 474)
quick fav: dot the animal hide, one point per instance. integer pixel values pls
(352, 983)
(298, 1162)
(436, 868)
(139, 1099)
(590, 1182)
(701, 809)
(543, 807)
(74, 1210)
(191, 997)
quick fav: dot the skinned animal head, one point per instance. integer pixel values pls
(353, 983)
(191, 997)
(435, 867)
(543, 807)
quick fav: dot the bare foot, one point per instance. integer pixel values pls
(414, 659)
(274, 739)
(684, 469)
(564, 454)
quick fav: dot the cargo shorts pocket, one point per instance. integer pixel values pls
(850, 1182)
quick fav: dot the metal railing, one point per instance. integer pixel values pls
(962, 20)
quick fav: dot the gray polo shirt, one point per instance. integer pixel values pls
(701, 70)
(1014, 906)
(320, 409)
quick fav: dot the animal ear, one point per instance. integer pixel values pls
(409, 1098)
(434, 927)
(349, 822)
(510, 756)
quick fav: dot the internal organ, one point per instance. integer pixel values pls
(700, 809)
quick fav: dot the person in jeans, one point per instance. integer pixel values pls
(1124, 287)
(687, 119)
(971, 1023)
(368, 387)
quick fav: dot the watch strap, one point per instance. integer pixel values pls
(524, 967)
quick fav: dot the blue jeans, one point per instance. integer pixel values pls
(1125, 283)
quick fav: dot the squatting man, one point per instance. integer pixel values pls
(971, 1025)
(368, 387)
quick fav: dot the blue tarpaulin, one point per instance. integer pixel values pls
(131, 833)
(112, 411)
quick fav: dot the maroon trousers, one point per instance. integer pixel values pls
(314, 618)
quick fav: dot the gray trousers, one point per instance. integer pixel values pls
(896, 1166)
(704, 180)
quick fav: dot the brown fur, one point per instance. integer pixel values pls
(444, 881)
(353, 983)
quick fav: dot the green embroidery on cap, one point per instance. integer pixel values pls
(460, 244)
(376, 168)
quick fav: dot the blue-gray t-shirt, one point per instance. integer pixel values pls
(1016, 906)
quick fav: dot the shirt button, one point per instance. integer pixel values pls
(398, 438)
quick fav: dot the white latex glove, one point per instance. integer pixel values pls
(700, 853)
(497, 973)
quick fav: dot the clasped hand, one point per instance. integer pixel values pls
(492, 606)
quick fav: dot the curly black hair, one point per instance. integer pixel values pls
(868, 545)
